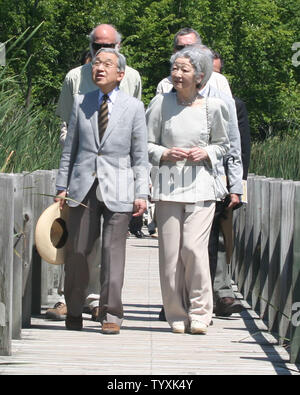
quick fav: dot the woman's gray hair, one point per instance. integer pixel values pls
(121, 58)
(201, 58)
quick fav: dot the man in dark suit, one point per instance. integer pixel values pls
(227, 304)
(103, 166)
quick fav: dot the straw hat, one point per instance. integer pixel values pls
(51, 234)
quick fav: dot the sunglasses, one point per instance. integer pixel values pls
(97, 46)
(180, 47)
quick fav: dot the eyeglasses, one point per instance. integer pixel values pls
(107, 64)
(97, 46)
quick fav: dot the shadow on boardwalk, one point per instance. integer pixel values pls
(239, 344)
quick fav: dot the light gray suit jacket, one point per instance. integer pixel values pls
(232, 162)
(120, 161)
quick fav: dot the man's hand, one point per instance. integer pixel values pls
(234, 200)
(60, 198)
(139, 207)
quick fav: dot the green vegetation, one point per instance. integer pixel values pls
(45, 39)
(28, 136)
(277, 157)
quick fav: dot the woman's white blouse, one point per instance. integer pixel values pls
(173, 125)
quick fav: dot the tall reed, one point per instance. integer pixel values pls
(29, 137)
(277, 157)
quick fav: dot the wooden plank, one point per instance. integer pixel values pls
(28, 242)
(295, 324)
(274, 255)
(18, 251)
(256, 262)
(247, 263)
(286, 256)
(264, 253)
(240, 272)
(6, 261)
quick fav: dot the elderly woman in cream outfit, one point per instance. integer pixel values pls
(187, 138)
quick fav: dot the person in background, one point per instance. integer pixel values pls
(79, 80)
(218, 62)
(221, 241)
(185, 37)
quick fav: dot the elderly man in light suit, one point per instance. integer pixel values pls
(104, 167)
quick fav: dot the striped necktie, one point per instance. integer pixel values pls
(103, 117)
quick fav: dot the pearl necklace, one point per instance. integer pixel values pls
(188, 102)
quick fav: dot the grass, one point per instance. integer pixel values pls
(29, 138)
(277, 157)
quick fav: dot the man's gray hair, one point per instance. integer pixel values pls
(184, 32)
(201, 58)
(121, 58)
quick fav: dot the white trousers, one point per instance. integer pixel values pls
(183, 260)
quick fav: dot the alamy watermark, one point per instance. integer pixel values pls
(296, 314)
(2, 54)
(296, 56)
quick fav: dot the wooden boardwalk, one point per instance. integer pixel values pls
(239, 344)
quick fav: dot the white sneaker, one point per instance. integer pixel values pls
(178, 327)
(198, 327)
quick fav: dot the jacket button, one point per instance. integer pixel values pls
(94, 174)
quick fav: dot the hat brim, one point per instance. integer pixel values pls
(51, 234)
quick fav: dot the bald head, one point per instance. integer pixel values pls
(104, 34)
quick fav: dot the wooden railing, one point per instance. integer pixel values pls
(265, 266)
(25, 280)
(266, 257)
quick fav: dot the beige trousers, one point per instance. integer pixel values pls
(183, 260)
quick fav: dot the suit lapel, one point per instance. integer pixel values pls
(92, 112)
(118, 109)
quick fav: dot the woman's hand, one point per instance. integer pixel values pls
(197, 154)
(60, 198)
(174, 154)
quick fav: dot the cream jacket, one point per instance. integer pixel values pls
(173, 125)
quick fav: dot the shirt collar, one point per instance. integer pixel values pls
(204, 91)
(112, 95)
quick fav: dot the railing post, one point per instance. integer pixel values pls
(28, 241)
(274, 255)
(6, 261)
(256, 254)
(264, 253)
(246, 268)
(17, 253)
(295, 324)
(286, 250)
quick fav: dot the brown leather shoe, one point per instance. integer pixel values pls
(95, 314)
(74, 323)
(227, 306)
(109, 328)
(57, 313)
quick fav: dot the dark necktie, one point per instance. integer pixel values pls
(103, 117)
